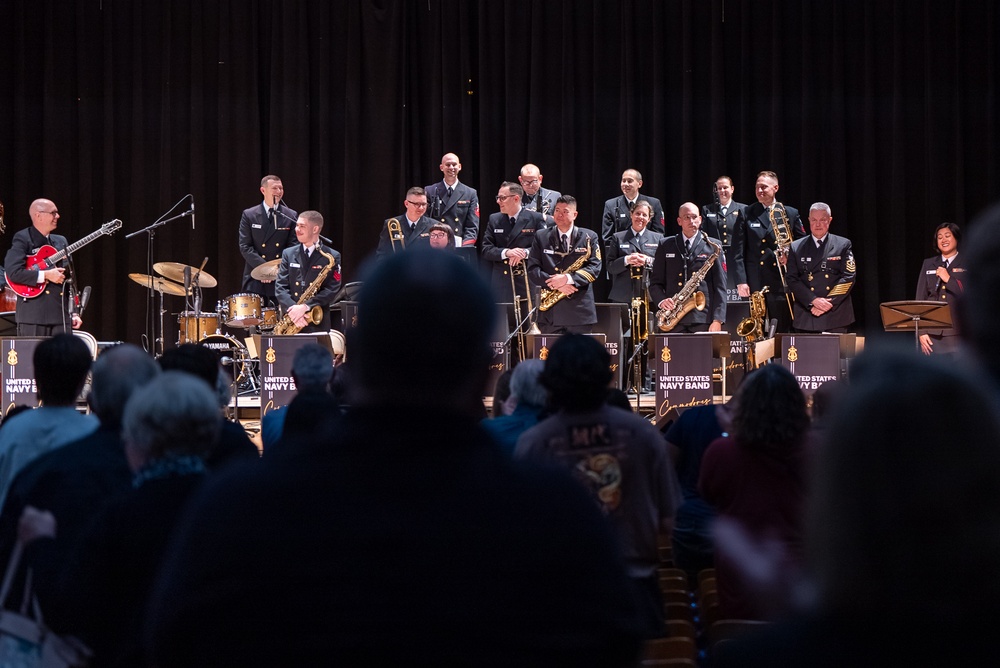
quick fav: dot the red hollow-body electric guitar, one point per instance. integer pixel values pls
(48, 257)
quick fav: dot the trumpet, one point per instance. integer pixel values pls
(782, 241)
(518, 270)
(396, 234)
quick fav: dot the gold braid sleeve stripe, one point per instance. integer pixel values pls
(840, 289)
(586, 274)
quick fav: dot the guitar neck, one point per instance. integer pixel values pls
(72, 248)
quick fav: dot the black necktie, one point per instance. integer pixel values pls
(513, 220)
(687, 246)
(451, 191)
(565, 243)
(631, 206)
(274, 218)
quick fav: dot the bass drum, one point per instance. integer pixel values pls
(226, 346)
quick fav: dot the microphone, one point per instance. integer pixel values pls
(84, 299)
(191, 211)
(937, 287)
(187, 279)
(226, 361)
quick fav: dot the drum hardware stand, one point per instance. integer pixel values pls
(150, 337)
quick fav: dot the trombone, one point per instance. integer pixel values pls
(396, 234)
(783, 242)
(518, 270)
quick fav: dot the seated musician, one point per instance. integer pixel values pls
(301, 267)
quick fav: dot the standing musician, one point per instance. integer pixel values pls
(564, 260)
(678, 258)
(300, 268)
(719, 222)
(535, 197)
(265, 231)
(508, 236)
(630, 255)
(942, 278)
(821, 273)
(454, 203)
(54, 311)
(408, 230)
(618, 209)
(754, 261)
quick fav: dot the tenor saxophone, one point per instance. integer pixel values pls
(315, 315)
(549, 298)
(689, 297)
(752, 328)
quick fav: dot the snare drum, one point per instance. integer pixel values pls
(193, 327)
(243, 310)
(269, 317)
(224, 345)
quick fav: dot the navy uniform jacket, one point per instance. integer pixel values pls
(623, 244)
(419, 236)
(295, 274)
(753, 261)
(671, 270)
(546, 259)
(460, 211)
(724, 229)
(827, 272)
(618, 217)
(500, 234)
(930, 288)
(544, 202)
(262, 241)
(51, 306)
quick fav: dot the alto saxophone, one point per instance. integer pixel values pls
(315, 315)
(550, 297)
(689, 297)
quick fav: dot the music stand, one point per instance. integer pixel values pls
(906, 315)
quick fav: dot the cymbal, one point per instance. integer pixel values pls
(175, 272)
(267, 271)
(158, 284)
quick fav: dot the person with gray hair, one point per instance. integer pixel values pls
(524, 406)
(821, 273)
(169, 426)
(312, 369)
(77, 480)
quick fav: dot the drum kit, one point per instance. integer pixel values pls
(240, 311)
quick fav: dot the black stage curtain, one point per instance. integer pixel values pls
(885, 109)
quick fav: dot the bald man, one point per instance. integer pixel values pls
(54, 310)
(452, 202)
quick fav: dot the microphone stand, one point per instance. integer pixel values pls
(518, 329)
(150, 230)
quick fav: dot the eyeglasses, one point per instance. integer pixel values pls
(439, 235)
(504, 198)
(419, 205)
(525, 182)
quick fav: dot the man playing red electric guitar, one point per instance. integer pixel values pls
(49, 313)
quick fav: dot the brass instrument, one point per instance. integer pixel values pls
(783, 242)
(639, 308)
(550, 297)
(689, 297)
(396, 234)
(752, 328)
(522, 341)
(315, 315)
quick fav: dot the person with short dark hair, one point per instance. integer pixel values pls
(618, 210)
(442, 237)
(618, 457)
(406, 508)
(61, 366)
(563, 263)
(942, 278)
(266, 230)
(720, 222)
(411, 229)
(506, 241)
